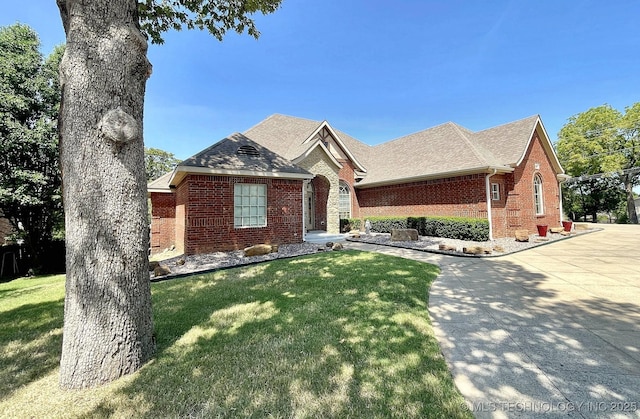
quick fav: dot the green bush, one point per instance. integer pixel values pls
(476, 229)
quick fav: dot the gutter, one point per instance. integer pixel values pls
(562, 178)
(489, 211)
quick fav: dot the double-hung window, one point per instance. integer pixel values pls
(250, 205)
(495, 191)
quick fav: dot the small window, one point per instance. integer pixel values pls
(250, 205)
(495, 191)
(537, 194)
(344, 204)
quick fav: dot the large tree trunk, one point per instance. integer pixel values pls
(108, 327)
(631, 205)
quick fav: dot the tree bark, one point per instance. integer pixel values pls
(631, 205)
(108, 327)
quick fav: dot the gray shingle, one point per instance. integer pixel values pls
(224, 155)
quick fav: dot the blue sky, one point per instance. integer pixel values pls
(379, 70)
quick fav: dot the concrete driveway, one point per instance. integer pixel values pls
(551, 330)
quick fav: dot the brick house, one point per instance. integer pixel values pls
(311, 175)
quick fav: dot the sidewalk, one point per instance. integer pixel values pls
(551, 330)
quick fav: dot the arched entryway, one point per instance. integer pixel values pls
(316, 197)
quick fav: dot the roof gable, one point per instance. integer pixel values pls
(238, 155)
(295, 138)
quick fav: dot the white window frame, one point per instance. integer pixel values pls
(249, 205)
(495, 191)
(342, 187)
(538, 197)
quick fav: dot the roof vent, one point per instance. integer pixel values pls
(247, 150)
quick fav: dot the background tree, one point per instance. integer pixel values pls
(602, 142)
(108, 327)
(158, 162)
(30, 182)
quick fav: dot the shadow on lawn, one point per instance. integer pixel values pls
(338, 334)
(30, 342)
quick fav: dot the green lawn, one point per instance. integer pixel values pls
(337, 334)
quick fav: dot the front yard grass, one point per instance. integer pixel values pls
(336, 334)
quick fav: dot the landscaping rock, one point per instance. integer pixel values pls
(329, 244)
(258, 250)
(476, 250)
(337, 246)
(404, 234)
(447, 247)
(161, 270)
(180, 262)
(522, 235)
(498, 248)
(556, 230)
(153, 265)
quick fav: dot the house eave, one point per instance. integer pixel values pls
(182, 171)
(441, 175)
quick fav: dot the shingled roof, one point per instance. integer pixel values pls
(239, 155)
(445, 150)
(442, 151)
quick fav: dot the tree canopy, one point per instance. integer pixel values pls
(158, 162)
(30, 195)
(603, 143)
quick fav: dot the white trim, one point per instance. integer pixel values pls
(159, 190)
(489, 209)
(310, 149)
(546, 144)
(345, 149)
(494, 192)
(182, 171)
(442, 175)
(538, 176)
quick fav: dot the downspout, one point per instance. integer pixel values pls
(304, 209)
(488, 190)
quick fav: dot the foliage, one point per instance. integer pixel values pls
(603, 143)
(217, 17)
(590, 196)
(462, 228)
(30, 180)
(336, 334)
(158, 162)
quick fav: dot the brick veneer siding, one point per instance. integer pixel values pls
(347, 174)
(461, 196)
(321, 188)
(209, 214)
(519, 206)
(163, 221)
(465, 196)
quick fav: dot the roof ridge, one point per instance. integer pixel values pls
(537, 116)
(413, 133)
(477, 148)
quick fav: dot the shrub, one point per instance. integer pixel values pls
(476, 229)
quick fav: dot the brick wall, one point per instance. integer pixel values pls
(465, 196)
(461, 196)
(520, 206)
(347, 174)
(321, 189)
(163, 221)
(209, 214)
